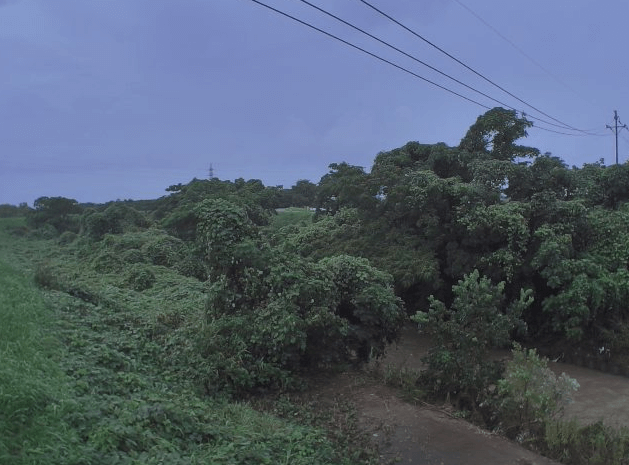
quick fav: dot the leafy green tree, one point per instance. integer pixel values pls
(271, 313)
(545, 173)
(304, 193)
(530, 393)
(495, 132)
(498, 237)
(117, 218)
(478, 320)
(55, 211)
(10, 211)
(344, 186)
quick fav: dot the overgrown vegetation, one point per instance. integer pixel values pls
(96, 370)
(210, 296)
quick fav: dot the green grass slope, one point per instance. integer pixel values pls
(96, 369)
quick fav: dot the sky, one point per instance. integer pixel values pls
(119, 99)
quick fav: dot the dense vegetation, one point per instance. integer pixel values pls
(156, 316)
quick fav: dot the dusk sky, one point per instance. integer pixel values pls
(114, 99)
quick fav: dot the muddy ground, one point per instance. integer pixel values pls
(418, 433)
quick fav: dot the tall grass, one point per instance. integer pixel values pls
(32, 386)
(93, 371)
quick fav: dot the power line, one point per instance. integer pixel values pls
(424, 63)
(522, 52)
(565, 125)
(409, 71)
(369, 53)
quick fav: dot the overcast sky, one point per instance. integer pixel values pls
(114, 99)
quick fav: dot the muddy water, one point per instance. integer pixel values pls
(601, 396)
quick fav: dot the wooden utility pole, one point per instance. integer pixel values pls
(615, 131)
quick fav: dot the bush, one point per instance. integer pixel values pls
(46, 232)
(465, 332)
(55, 211)
(163, 250)
(116, 219)
(107, 262)
(140, 278)
(67, 237)
(45, 277)
(531, 393)
(133, 256)
(266, 325)
(94, 224)
(595, 444)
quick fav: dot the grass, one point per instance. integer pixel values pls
(291, 216)
(33, 389)
(94, 371)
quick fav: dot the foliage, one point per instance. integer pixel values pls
(33, 389)
(67, 237)
(271, 313)
(58, 212)
(344, 186)
(117, 218)
(495, 133)
(12, 211)
(103, 374)
(140, 278)
(477, 321)
(162, 249)
(594, 444)
(531, 394)
(263, 326)
(303, 194)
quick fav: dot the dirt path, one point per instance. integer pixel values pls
(422, 434)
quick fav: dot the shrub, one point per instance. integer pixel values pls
(115, 219)
(94, 224)
(531, 393)
(55, 211)
(595, 444)
(67, 237)
(45, 277)
(140, 278)
(133, 256)
(465, 332)
(47, 231)
(163, 250)
(107, 262)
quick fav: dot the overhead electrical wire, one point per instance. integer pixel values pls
(412, 57)
(536, 126)
(369, 53)
(419, 36)
(522, 52)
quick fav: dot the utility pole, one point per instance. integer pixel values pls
(615, 131)
(211, 172)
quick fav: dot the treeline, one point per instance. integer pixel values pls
(428, 215)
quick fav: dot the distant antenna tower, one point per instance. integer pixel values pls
(211, 172)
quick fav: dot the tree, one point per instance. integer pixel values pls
(304, 193)
(344, 186)
(477, 321)
(531, 394)
(55, 211)
(495, 133)
(545, 173)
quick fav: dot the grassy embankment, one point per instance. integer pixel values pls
(95, 371)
